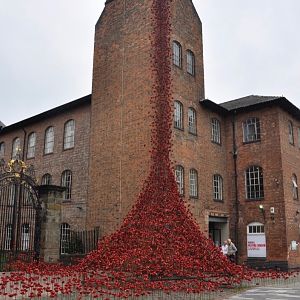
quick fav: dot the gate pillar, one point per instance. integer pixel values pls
(51, 199)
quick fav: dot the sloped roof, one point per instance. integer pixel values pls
(49, 113)
(1, 125)
(250, 103)
(247, 101)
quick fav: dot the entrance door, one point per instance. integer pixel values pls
(218, 230)
(256, 240)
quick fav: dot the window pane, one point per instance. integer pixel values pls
(215, 131)
(192, 121)
(291, 133)
(49, 140)
(65, 237)
(2, 150)
(31, 145)
(218, 187)
(179, 179)
(176, 54)
(69, 134)
(251, 130)
(178, 115)
(193, 183)
(254, 183)
(190, 62)
(66, 181)
(16, 148)
(46, 179)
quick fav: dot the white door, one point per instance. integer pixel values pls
(256, 240)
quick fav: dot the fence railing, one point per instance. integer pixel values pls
(76, 244)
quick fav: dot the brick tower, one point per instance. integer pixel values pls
(122, 87)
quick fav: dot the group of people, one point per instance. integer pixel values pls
(229, 249)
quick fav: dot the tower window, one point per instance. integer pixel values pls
(66, 181)
(215, 131)
(178, 115)
(2, 150)
(193, 183)
(254, 183)
(46, 179)
(179, 176)
(16, 147)
(295, 187)
(192, 121)
(251, 130)
(291, 133)
(177, 53)
(218, 187)
(190, 62)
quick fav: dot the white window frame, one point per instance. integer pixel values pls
(66, 181)
(295, 187)
(215, 131)
(49, 140)
(69, 134)
(251, 130)
(2, 150)
(177, 54)
(46, 179)
(190, 62)
(178, 115)
(193, 179)
(291, 133)
(218, 187)
(16, 147)
(179, 177)
(192, 120)
(254, 183)
(31, 145)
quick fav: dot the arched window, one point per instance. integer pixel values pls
(192, 121)
(69, 134)
(46, 179)
(178, 115)
(254, 183)
(8, 237)
(65, 237)
(218, 187)
(177, 54)
(294, 187)
(179, 176)
(291, 133)
(66, 181)
(2, 150)
(256, 240)
(16, 148)
(31, 145)
(49, 140)
(215, 131)
(251, 130)
(190, 62)
(193, 183)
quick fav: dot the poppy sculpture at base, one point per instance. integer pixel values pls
(159, 245)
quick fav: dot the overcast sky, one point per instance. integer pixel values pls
(46, 51)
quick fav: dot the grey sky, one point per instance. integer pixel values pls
(46, 51)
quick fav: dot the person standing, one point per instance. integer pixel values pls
(231, 250)
(224, 248)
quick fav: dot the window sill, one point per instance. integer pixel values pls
(218, 200)
(178, 67)
(46, 154)
(255, 199)
(194, 198)
(30, 158)
(178, 128)
(217, 143)
(193, 133)
(251, 142)
(67, 149)
(192, 75)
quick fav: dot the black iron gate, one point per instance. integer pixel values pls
(20, 212)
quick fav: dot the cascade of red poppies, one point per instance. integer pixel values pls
(159, 245)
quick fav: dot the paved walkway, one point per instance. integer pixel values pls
(270, 293)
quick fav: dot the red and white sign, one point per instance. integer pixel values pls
(256, 245)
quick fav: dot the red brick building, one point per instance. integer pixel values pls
(236, 163)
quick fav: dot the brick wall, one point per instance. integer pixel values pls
(75, 159)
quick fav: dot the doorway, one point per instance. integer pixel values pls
(218, 230)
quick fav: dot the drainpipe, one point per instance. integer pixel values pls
(236, 200)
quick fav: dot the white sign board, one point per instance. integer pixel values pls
(256, 245)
